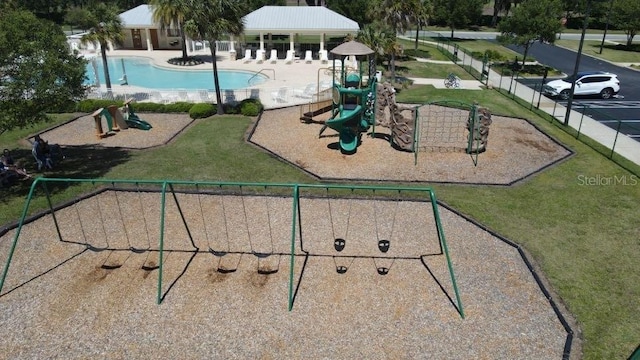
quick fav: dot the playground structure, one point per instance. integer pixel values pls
(353, 99)
(132, 119)
(117, 120)
(381, 226)
(360, 103)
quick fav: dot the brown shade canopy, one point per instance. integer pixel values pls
(351, 48)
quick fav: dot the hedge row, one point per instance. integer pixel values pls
(247, 107)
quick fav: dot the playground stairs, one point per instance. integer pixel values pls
(310, 112)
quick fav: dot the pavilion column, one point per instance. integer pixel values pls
(149, 44)
(291, 42)
(232, 50)
(261, 41)
(260, 53)
(322, 54)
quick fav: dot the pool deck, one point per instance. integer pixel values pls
(295, 76)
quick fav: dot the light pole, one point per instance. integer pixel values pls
(577, 66)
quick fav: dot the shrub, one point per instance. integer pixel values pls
(231, 108)
(149, 107)
(477, 55)
(178, 107)
(91, 105)
(249, 109)
(199, 111)
(494, 55)
(252, 101)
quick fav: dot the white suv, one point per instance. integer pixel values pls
(588, 83)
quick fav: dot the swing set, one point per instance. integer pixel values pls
(230, 221)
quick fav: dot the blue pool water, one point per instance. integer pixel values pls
(141, 72)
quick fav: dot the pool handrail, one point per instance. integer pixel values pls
(260, 72)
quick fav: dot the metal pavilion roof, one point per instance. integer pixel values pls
(139, 16)
(298, 19)
(267, 19)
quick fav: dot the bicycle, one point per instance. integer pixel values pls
(452, 81)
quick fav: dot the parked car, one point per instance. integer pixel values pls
(599, 83)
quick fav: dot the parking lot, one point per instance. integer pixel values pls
(622, 112)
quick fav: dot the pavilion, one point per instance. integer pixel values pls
(266, 23)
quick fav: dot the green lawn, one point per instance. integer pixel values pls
(583, 237)
(430, 52)
(429, 70)
(610, 52)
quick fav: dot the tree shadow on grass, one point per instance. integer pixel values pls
(82, 161)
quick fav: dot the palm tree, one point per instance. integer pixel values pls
(209, 20)
(107, 27)
(421, 15)
(376, 38)
(396, 14)
(168, 13)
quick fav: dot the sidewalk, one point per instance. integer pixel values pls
(439, 83)
(624, 145)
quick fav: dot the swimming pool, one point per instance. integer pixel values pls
(141, 72)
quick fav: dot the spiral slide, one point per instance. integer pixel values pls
(344, 124)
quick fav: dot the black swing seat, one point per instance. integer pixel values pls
(383, 245)
(138, 250)
(267, 271)
(149, 267)
(261, 254)
(218, 253)
(110, 266)
(225, 270)
(96, 249)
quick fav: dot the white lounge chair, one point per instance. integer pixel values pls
(326, 84)
(308, 58)
(183, 95)
(280, 96)
(274, 56)
(259, 56)
(309, 91)
(289, 58)
(324, 56)
(352, 61)
(230, 97)
(204, 96)
(247, 56)
(156, 97)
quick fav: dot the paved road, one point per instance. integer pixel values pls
(492, 35)
(565, 60)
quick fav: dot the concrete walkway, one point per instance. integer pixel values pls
(623, 145)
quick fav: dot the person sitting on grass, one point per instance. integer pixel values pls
(9, 164)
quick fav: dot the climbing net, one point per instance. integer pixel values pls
(442, 127)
